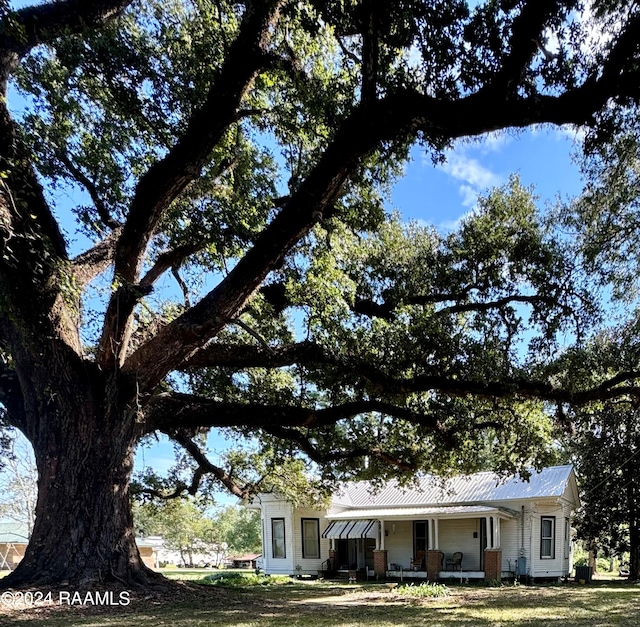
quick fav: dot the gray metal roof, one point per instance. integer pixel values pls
(18, 533)
(452, 511)
(477, 488)
(11, 532)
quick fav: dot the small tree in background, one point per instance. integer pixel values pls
(19, 484)
(606, 454)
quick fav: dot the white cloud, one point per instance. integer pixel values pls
(493, 142)
(474, 176)
(469, 170)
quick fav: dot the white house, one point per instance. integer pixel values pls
(476, 526)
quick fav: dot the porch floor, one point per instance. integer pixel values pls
(443, 574)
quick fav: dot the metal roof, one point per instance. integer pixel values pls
(412, 512)
(11, 532)
(477, 488)
(18, 533)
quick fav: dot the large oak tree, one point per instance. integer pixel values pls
(179, 121)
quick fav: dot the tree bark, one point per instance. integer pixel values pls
(84, 445)
(634, 522)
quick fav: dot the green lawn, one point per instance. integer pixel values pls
(602, 604)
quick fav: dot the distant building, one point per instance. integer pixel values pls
(244, 561)
(14, 538)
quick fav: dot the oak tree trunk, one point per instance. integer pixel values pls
(83, 531)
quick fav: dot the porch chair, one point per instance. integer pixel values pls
(418, 560)
(455, 562)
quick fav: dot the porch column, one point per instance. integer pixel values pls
(380, 563)
(434, 564)
(493, 564)
(436, 534)
(430, 527)
(380, 544)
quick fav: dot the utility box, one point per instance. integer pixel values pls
(522, 566)
(584, 573)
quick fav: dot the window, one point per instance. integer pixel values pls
(277, 538)
(420, 536)
(547, 537)
(310, 538)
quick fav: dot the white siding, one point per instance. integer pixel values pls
(510, 543)
(276, 566)
(308, 565)
(548, 567)
(399, 542)
(457, 535)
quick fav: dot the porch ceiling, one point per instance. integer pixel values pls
(387, 513)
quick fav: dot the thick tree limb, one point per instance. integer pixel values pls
(168, 178)
(93, 262)
(244, 356)
(205, 466)
(171, 411)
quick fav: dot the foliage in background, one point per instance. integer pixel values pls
(197, 530)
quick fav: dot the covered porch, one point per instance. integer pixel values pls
(419, 543)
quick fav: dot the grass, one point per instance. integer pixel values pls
(322, 604)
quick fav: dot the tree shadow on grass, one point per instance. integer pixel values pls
(326, 605)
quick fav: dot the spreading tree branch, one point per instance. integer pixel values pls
(321, 457)
(405, 112)
(386, 309)
(169, 177)
(40, 24)
(206, 467)
(527, 29)
(88, 184)
(308, 353)
(170, 259)
(173, 410)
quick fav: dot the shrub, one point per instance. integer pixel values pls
(423, 590)
(245, 580)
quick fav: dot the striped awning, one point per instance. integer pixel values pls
(343, 529)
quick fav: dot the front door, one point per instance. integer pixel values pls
(483, 540)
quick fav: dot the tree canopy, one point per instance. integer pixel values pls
(246, 148)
